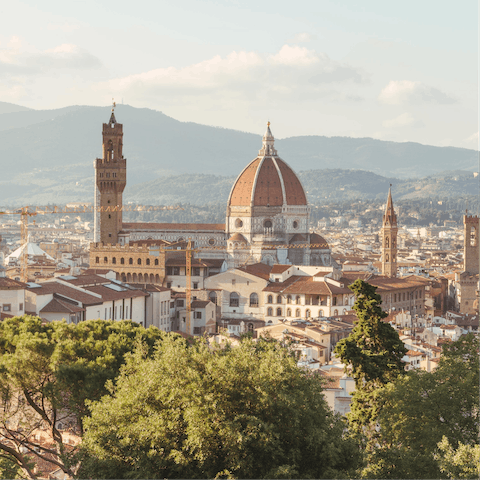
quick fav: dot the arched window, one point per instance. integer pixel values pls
(130, 261)
(289, 312)
(269, 311)
(289, 299)
(307, 313)
(335, 312)
(105, 260)
(156, 261)
(122, 261)
(148, 261)
(268, 224)
(297, 299)
(250, 327)
(320, 313)
(139, 261)
(387, 242)
(279, 312)
(279, 299)
(473, 237)
(270, 299)
(234, 299)
(114, 260)
(97, 260)
(387, 258)
(297, 313)
(254, 300)
(212, 296)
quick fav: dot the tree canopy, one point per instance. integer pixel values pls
(202, 412)
(47, 373)
(422, 410)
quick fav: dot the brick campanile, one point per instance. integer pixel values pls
(389, 239)
(471, 245)
(110, 181)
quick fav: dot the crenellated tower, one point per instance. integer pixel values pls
(110, 181)
(389, 239)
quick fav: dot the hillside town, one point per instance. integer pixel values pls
(265, 273)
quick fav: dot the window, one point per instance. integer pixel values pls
(335, 312)
(198, 314)
(320, 313)
(270, 299)
(7, 307)
(195, 285)
(234, 299)
(139, 261)
(307, 300)
(169, 284)
(279, 312)
(238, 223)
(105, 260)
(180, 303)
(20, 307)
(279, 299)
(130, 261)
(269, 311)
(307, 313)
(297, 299)
(234, 281)
(289, 312)
(176, 270)
(148, 261)
(254, 300)
(395, 297)
(196, 271)
(109, 215)
(289, 299)
(156, 261)
(267, 224)
(334, 300)
(297, 313)
(387, 243)
(122, 261)
(114, 260)
(212, 296)
(97, 260)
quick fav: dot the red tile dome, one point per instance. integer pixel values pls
(267, 181)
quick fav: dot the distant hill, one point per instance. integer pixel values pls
(6, 107)
(47, 155)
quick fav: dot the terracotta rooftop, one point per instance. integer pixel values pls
(60, 306)
(200, 303)
(279, 268)
(108, 294)
(65, 291)
(263, 182)
(258, 269)
(10, 284)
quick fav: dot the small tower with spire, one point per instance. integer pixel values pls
(389, 239)
(110, 181)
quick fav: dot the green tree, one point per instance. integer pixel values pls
(203, 412)
(373, 354)
(431, 419)
(47, 373)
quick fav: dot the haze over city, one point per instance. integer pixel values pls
(392, 71)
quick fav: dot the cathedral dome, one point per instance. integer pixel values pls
(267, 181)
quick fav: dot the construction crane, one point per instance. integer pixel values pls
(32, 211)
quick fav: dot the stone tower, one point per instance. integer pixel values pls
(110, 181)
(471, 244)
(389, 239)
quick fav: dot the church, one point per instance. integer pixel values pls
(267, 219)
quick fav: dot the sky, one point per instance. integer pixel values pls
(399, 71)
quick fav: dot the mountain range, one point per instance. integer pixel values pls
(46, 156)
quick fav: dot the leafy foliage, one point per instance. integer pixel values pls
(197, 412)
(422, 410)
(47, 373)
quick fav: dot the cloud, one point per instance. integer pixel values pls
(15, 60)
(303, 38)
(294, 73)
(405, 92)
(403, 120)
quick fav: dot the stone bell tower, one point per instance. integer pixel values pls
(389, 239)
(110, 181)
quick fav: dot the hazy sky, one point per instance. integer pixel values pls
(402, 71)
